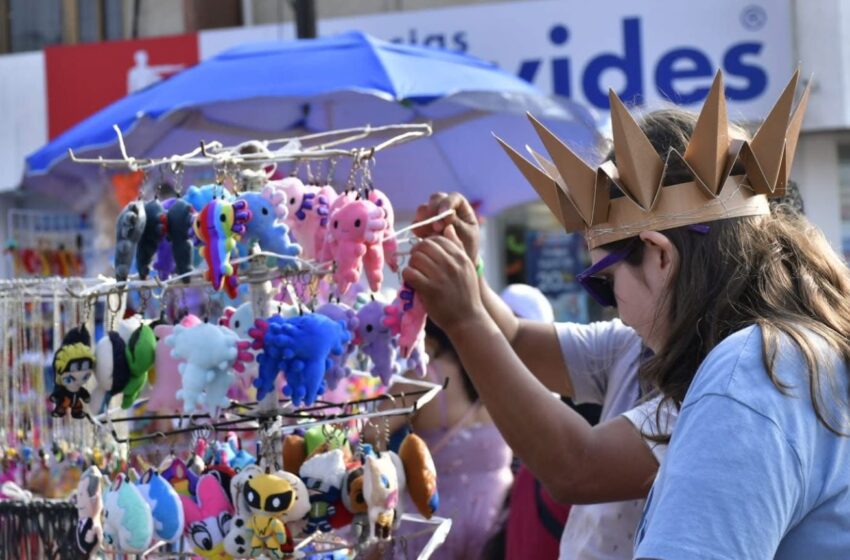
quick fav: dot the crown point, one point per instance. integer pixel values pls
(708, 147)
(768, 144)
(638, 163)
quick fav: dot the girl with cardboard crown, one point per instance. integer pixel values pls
(747, 312)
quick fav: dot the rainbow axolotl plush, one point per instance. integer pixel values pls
(218, 226)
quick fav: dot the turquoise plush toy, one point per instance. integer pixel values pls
(128, 522)
(267, 227)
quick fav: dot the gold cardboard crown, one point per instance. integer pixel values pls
(578, 195)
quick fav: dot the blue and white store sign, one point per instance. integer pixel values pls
(650, 52)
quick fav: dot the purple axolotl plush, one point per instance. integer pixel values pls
(377, 341)
(348, 317)
(301, 347)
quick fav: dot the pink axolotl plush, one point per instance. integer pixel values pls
(308, 212)
(390, 242)
(168, 380)
(355, 238)
(406, 317)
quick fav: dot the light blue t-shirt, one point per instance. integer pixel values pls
(750, 472)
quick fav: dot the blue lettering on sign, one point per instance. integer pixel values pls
(682, 74)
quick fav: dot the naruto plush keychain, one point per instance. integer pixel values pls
(73, 365)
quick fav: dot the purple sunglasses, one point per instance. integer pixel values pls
(601, 289)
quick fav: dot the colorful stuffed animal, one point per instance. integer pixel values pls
(208, 518)
(128, 231)
(128, 522)
(198, 197)
(323, 475)
(183, 479)
(238, 539)
(141, 354)
(307, 210)
(163, 396)
(241, 458)
(218, 226)
(381, 492)
(339, 368)
(89, 531)
(269, 498)
(267, 226)
(355, 237)
(73, 366)
(239, 319)
(407, 317)
(209, 352)
(124, 358)
(377, 341)
(390, 244)
(301, 347)
(166, 506)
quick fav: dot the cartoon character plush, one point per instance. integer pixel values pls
(141, 354)
(381, 492)
(124, 358)
(166, 506)
(376, 340)
(348, 317)
(183, 479)
(163, 396)
(355, 502)
(239, 319)
(128, 522)
(307, 210)
(73, 365)
(128, 231)
(407, 317)
(323, 475)
(218, 226)
(89, 531)
(209, 353)
(355, 237)
(267, 226)
(300, 346)
(269, 498)
(208, 518)
(238, 539)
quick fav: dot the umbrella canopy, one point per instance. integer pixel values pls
(272, 89)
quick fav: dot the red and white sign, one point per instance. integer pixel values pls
(82, 79)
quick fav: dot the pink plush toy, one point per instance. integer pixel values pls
(168, 381)
(355, 238)
(390, 242)
(307, 210)
(406, 317)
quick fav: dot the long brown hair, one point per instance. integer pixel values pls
(776, 271)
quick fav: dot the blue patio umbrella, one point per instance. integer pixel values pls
(268, 90)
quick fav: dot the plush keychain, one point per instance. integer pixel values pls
(163, 396)
(124, 358)
(198, 197)
(179, 233)
(151, 236)
(182, 479)
(237, 540)
(294, 453)
(128, 522)
(239, 319)
(128, 231)
(207, 519)
(307, 210)
(323, 475)
(218, 227)
(377, 341)
(339, 368)
(73, 365)
(328, 196)
(224, 473)
(141, 354)
(269, 498)
(355, 502)
(300, 346)
(390, 244)
(267, 226)
(166, 506)
(421, 474)
(209, 352)
(355, 237)
(407, 317)
(241, 458)
(89, 532)
(381, 493)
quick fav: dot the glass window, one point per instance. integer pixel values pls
(844, 186)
